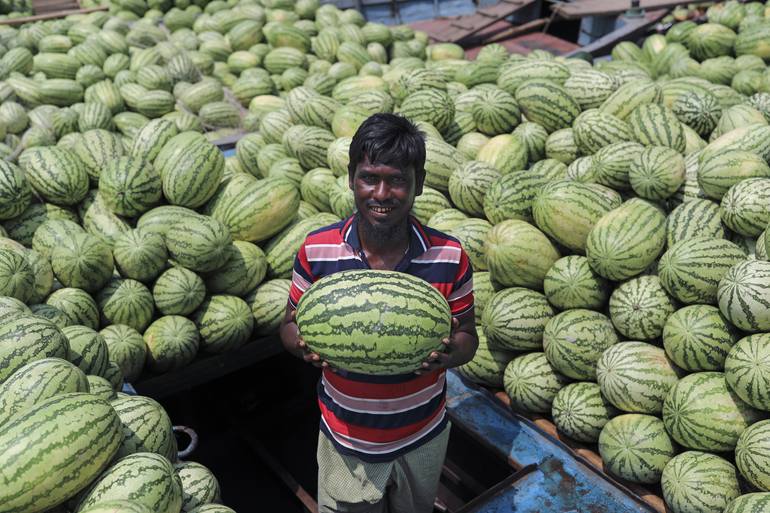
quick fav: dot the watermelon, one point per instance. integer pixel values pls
(595, 129)
(469, 184)
(580, 412)
(716, 175)
(268, 304)
(83, 430)
(567, 210)
(245, 268)
(27, 338)
(698, 481)
(38, 381)
(743, 295)
(15, 191)
(514, 319)
(86, 263)
(144, 477)
(199, 243)
(747, 370)
(130, 186)
(140, 254)
(118, 506)
(100, 387)
(611, 165)
(571, 283)
(199, 485)
(510, 196)
(17, 275)
(125, 347)
(635, 377)
(701, 412)
(751, 503)
(431, 105)
(518, 254)
(146, 427)
(56, 174)
(698, 338)
(126, 302)
(745, 207)
(281, 250)
(656, 125)
(635, 447)
(77, 305)
(488, 364)
(506, 153)
(639, 308)
(532, 383)
(657, 173)
(751, 455)
(190, 169)
(695, 218)
(425, 205)
(626, 240)
(547, 103)
(172, 342)
(224, 323)
(574, 341)
(327, 308)
(52, 233)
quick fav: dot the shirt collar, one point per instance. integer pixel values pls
(419, 241)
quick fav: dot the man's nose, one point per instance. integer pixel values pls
(381, 191)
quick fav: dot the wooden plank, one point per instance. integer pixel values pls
(582, 8)
(208, 367)
(632, 29)
(460, 29)
(50, 16)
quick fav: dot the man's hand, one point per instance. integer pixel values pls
(443, 358)
(303, 349)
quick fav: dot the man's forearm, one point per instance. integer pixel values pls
(465, 345)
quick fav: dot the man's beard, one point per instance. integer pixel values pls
(378, 233)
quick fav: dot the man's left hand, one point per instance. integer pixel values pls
(441, 359)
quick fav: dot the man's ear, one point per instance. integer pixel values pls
(419, 181)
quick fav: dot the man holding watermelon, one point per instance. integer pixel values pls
(383, 438)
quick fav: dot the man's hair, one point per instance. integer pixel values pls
(390, 140)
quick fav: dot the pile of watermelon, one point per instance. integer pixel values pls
(615, 214)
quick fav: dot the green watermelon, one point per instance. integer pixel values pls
(86, 263)
(743, 295)
(199, 485)
(77, 305)
(639, 308)
(532, 383)
(698, 481)
(126, 302)
(146, 427)
(698, 338)
(26, 338)
(751, 503)
(571, 283)
(224, 322)
(125, 347)
(514, 319)
(580, 412)
(518, 254)
(488, 364)
(268, 305)
(172, 342)
(751, 455)
(635, 447)
(747, 370)
(199, 243)
(140, 254)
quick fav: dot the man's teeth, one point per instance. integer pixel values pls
(381, 210)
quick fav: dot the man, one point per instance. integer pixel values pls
(383, 438)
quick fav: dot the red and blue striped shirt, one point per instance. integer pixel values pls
(378, 418)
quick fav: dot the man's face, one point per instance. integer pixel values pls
(383, 194)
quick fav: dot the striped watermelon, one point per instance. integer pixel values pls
(77, 305)
(639, 308)
(743, 295)
(224, 323)
(27, 338)
(626, 240)
(571, 283)
(580, 412)
(100, 221)
(151, 138)
(595, 129)
(716, 175)
(96, 148)
(441, 159)
(701, 412)
(547, 104)
(488, 364)
(280, 251)
(130, 186)
(511, 196)
(87, 349)
(140, 254)
(172, 342)
(745, 207)
(199, 485)
(611, 165)
(15, 192)
(22, 228)
(469, 184)
(567, 210)
(532, 383)
(656, 125)
(190, 168)
(483, 290)
(56, 174)
(574, 341)
(100, 387)
(83, 430)
(268, 304)
(698, 110)
(514, 73)
(696, 218)
(472, 234)
(17, 277)
(698, 338)
(431, 105)
(178, 291)
(246, 267)
(126, 301)
(629, 96)
(751, 455)
(747, 370)
(38, 381)
(560, 145)
(495, 112)
(125, 346)
(199, 243)
(425, 205)
(635, 447)
(750, 503)
(699, 480)
(636, 376)
(143, 477)
(518, 254)
(657, 173)
(85, 263)
(146, 427)
(52, 233)
(514, 319)
(590, 87)
(327, 308)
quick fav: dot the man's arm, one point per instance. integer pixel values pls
(459, 347)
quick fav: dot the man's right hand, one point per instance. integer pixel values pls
(309, 356)
(295, 344)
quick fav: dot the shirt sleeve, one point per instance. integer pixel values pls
(461, 297)
(302, 276)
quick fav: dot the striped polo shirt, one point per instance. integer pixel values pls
(378, 418)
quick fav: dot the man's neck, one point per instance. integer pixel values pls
(384, 242)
